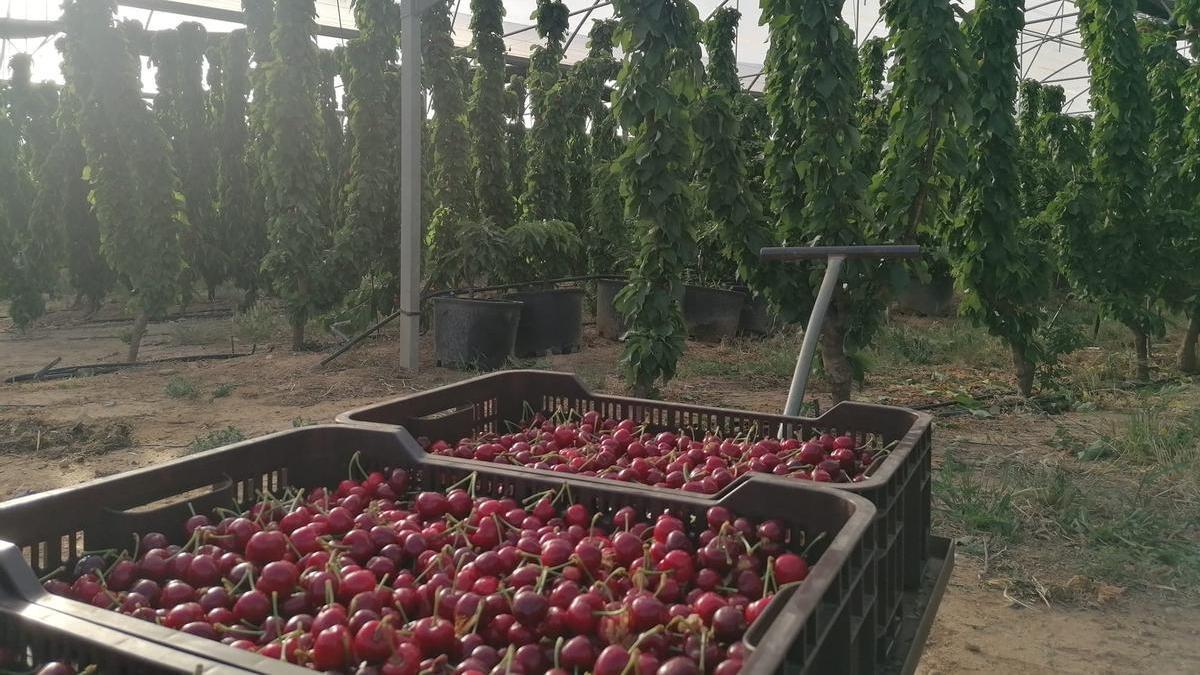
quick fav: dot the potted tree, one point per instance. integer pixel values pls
(470, 332)
(711, 311)
(551, 318)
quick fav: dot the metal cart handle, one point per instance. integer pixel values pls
(834, 257)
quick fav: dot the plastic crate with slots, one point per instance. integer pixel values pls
(827, 630)
(899, 485)
(32, 636)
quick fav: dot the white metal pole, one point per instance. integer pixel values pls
(410, 183)
(812, 334)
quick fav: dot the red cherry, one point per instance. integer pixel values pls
(265, 547)
(331, 648)
(789, 568)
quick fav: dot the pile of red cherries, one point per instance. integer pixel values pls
(371, 577)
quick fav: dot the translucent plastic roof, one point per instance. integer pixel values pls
(1050, 50)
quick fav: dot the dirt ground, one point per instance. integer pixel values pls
(59, 433)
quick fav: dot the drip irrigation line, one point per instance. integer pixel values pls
(104, 368)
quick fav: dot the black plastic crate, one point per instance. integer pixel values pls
(899, 486)
(34, 635)
(53, 528)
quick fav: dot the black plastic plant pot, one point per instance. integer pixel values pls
(932, 298)
(609, 323)
(551, 321)
(474, 333)
(712, 314)
(756, 318)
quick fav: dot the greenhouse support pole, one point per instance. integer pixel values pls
(835, 257)
(411, 115)
(812, 334)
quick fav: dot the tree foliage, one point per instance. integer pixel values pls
(32, 107)
(62, 212)
(1184, 279)
(874, 105)
(485, 113)
(555, 106)
(728, 194)
(755, 127)
(817, 193)
(1104, 218)
(518, 150)
(452, 190)
(607, 232)
(451, 161)
(129, 161)
(35, 239)
(655, 90)
(369, 235)
(239, 211)
(184, 114)
(299, 239)
(1032, 162)
(996, 263)
(924, 153)
(1165, 69)
(19, 276)
(240, 220)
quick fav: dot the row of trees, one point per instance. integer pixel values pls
(270, 189)
(656, 165)
(1014, 207)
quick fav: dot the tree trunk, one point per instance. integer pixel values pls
(298, 333)
(91, 306)
(137, 333)
(833, 357)
(638, 391)
(248, 300)
(1187, 351)
(212, 294)
(1025, 370)
(1141, 342)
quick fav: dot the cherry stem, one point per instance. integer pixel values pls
(356, 463)
(52, 573)
(811, 544)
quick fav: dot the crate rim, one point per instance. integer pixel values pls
(921, 422)
(821, 578)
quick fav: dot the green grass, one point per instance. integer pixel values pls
(181, 387)
(946, 342)
(1121, 524)
(216, 439)
(976, 505)
(766, 361)
(298, 422)
(257, 324)
(224, 390)
(1155, 438)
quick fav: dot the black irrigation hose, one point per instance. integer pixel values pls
(103, 368)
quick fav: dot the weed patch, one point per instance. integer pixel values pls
(215, 439)
(974, 504)
(181, 387)
(256, 325)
